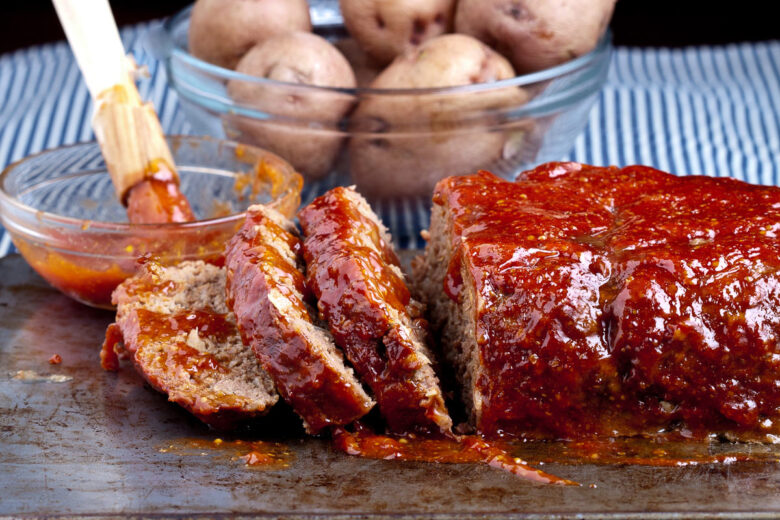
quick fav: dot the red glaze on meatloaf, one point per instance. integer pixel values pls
(183, 340)
(266, 290)
(360, 289)
(607, 301)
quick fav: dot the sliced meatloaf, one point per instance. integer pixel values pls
(361, 293)
(583, 301)
(267, 291)
(174, 323)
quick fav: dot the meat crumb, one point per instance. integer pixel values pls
(56, 359)
(194, 341)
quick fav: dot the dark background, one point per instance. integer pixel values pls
(636, 22)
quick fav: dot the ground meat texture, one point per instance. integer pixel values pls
(361, 293)
(582, 301)
(173, 323)
(267, 291)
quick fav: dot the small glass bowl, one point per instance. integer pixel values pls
(63, 216)
(393, 144)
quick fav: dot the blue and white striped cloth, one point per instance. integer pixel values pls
(700, 110)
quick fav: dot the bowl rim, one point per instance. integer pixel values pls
(6, 199)
(602, 48)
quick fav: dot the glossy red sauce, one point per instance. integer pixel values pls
(153, 327)
(138, 286)
(157, 327)
(355, 276)
(92, 279)
(620, 301)
(452, 450)
(665, 451)
(252, 454)
(85, 280)
(109, 356)
(255, 270)
(157, 200)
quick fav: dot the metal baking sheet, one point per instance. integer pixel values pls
(93, 446)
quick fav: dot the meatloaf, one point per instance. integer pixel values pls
(267, 291)
(582, 301)
(174, 323)
(360, 290)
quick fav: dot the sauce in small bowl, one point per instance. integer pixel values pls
(62, 214)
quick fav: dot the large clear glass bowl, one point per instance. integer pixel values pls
(63, 216)
(393, 144)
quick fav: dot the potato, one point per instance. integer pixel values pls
(222, 31)
(405, 143)
(385, 28)
(535, 34)
(364, 66)
(303, 121)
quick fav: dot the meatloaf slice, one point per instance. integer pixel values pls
(582, 301)
(361, 293)
(267, 291)
(183, 340)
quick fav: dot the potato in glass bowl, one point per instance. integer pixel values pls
(392, 142)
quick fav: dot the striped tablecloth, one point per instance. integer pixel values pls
(699, 110)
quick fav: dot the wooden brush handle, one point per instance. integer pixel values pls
(131, 139)
(94, 38)
(127, 129)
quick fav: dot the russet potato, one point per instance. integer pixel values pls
(302, 119)
(386, 28)
(405, 143)
(535, 34)
(222, 31)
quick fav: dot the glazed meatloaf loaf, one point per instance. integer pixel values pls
(267, 291)
(583, 301)
(174, 323)
(361, 293)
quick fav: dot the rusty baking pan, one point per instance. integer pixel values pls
(76, 441)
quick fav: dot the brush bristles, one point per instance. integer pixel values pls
(131, 138)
